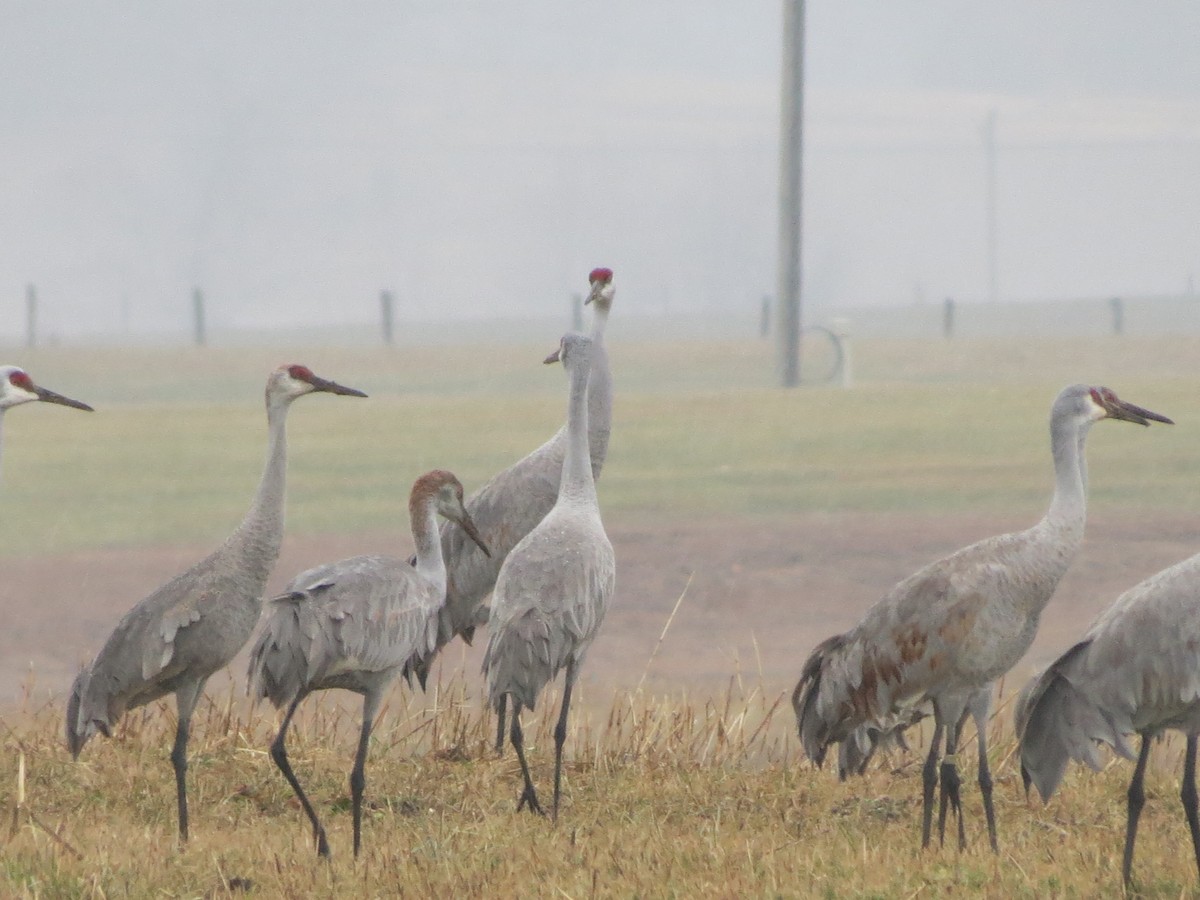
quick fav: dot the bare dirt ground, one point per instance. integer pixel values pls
(759, 593)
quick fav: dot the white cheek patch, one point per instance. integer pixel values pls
(1098, 411)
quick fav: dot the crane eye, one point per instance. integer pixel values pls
(21, 380)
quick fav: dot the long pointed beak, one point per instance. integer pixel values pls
(468, 525)
(51, 397)
(332, 387)
(1127, 412)
(597, 287)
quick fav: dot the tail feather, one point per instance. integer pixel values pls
(279, 661)
(816, 728)
(77, 732)
(521, 659)
(1059, 720)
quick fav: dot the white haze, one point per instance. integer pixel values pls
(478, 158)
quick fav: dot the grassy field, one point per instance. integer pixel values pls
(666, 795)
(174, 451)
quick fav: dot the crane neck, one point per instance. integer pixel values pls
(577, 483)
(431, 564)
(600, 392)
(1068, 508)
(260, 535)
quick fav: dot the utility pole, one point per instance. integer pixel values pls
(791, 131)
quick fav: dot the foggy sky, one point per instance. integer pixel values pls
(478, 158)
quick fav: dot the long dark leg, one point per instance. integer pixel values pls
(951, 784)
(929, 782)
(185, 703)
(500, 707)
(560, 733)
(358, 775)
(528, 795)
(1187, 794)
(979, 711)
(279, 755)
(1136, 799)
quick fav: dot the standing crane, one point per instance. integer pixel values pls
(555, 585)
(1136, 671)
(16, 387)
(354, 625)
(944, 634)
(508, 506)
(172, 641)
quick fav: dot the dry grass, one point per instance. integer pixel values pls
(664, 796)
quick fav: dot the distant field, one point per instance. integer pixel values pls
(175, 449)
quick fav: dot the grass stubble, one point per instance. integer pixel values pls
(665, 795)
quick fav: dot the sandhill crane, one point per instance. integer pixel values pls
(1136, 671)
(16, 387)
(172, 641)
(554, 587)
(354, 625)
(944, 634)
(508, 506)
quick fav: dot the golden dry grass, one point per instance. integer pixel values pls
(664, 797)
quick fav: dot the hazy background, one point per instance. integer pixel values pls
(478, 158)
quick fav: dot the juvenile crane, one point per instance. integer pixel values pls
(508, 506)
(16, 387)
(1136, 671)
(175, 639)
(354, 625)
(944, 634)
(554, 587)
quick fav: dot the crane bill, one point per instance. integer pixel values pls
(48, 396)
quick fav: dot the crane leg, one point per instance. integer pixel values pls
(528, 795)
(928, 783)
(185, 702)
(951, 785)
(980, 714)
(358, 775)
(1187, 794)
(1136, 800)
(560, 733)
(500, 707)
(279, 755)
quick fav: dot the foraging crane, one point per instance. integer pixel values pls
(515, 500)
(355, 624)
(16, 387)
(172, 641)
(554, 587)
(944, 634)
(1136, 671)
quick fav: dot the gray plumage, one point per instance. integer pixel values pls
(1136, 671)
(17, 388)
(942, 636)
(354, 625)
(175, 639)
(508, 506)
(554, 587)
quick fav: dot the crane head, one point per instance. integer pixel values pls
(1107, 405)
(16, 387)
(571, 348)
(447, 493)
(602, 288)
(291, 381)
